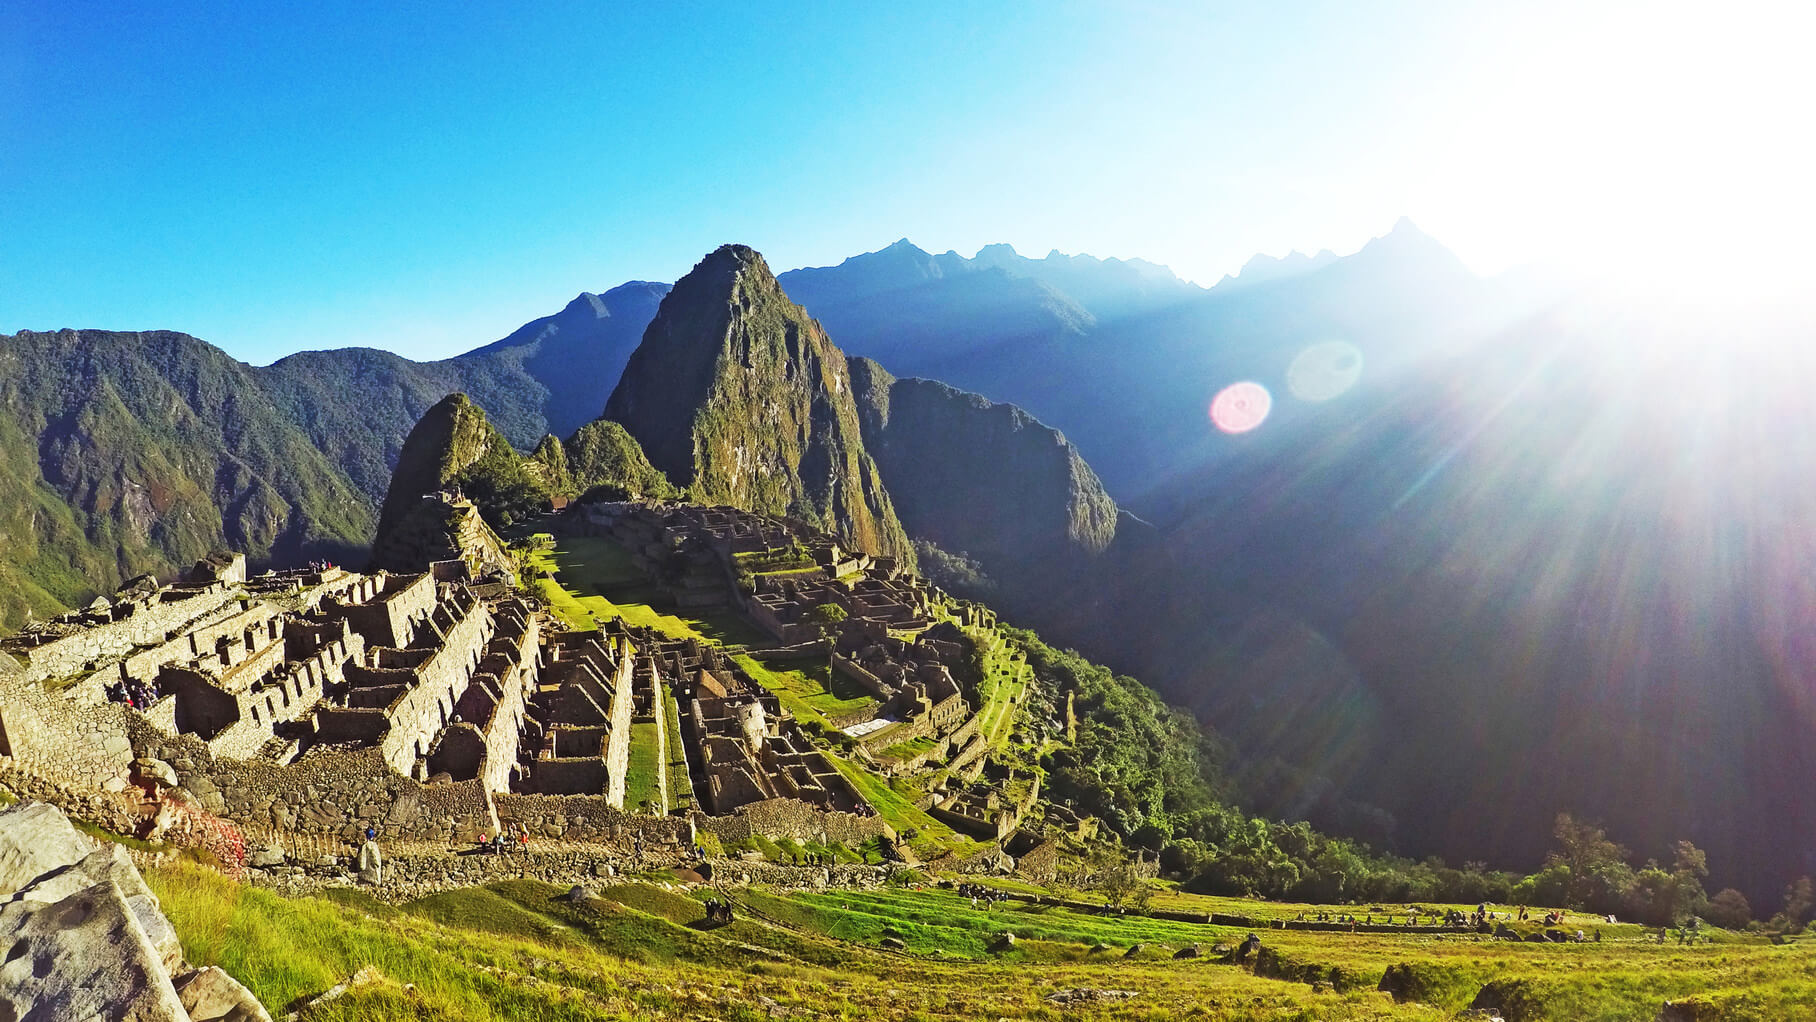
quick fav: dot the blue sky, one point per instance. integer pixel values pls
(426, 177)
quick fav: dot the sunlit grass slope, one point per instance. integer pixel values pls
(514, 950)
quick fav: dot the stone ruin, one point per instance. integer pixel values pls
(915, 682)
(437, 706)
(750, 750)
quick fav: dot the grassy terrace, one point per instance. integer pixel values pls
(598, 582)
(641, 774)
(680, 785)
(810, 691)
(894, 802)
(511, 950)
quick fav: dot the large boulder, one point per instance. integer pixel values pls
(210, 995)
(35, 839)
(87, 939)
(83, 957)
(371, 863)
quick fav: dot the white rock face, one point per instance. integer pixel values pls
(85, 939)
(34, 840)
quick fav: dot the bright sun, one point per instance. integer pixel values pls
(1671, 141)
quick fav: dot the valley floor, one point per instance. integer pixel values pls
(521, 949)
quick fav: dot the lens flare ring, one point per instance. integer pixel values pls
(1241, 407)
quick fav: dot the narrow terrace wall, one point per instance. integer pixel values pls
(792, 818)
(591, 819)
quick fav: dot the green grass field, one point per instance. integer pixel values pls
(513, 951)
(641, 785)
(810, 690)
(598, 582)
(680, 785)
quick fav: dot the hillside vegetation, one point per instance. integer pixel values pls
(124, 453)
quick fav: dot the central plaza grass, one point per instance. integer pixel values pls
(680, 784)
(643, 769)
(595, 581)
(516, 950)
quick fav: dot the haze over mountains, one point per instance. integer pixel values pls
(1492, 554)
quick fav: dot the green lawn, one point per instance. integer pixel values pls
(680, 785)
(642, 773)
(598, 582)
(910, 749)
(810, 691)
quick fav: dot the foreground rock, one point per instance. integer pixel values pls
(86, 939)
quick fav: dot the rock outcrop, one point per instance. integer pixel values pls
(968, 474)
(86, 937)
(454, 449)
(603, 456)
(448, 439)
(738, 394)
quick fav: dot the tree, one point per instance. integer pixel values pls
(1729, 909)
(1799, 902)
(1120, 884)
(1593, 861)
(827, 614)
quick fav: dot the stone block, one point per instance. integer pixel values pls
(210, 995)
(36, 839)
(83, 957)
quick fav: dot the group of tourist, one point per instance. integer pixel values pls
(718, 911)
(516, 838)
(988, 896)
(132, 692)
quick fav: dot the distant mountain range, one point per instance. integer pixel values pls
(1494, 552)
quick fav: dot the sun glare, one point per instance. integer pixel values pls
(1666, 144)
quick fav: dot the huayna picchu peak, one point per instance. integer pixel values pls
(738, 395)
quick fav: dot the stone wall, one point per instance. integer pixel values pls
(505, 729)
(593, 820)
(425, 707)
(326, 792)
(390, 619)
(792, 818)
(82, 746)
(618, 742)
(142, 624)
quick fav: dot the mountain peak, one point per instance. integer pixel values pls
(739, 394)
(587, 301)
(1000, 254)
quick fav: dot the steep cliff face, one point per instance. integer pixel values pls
(736, 393)
(123, 453)
(970, 475)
